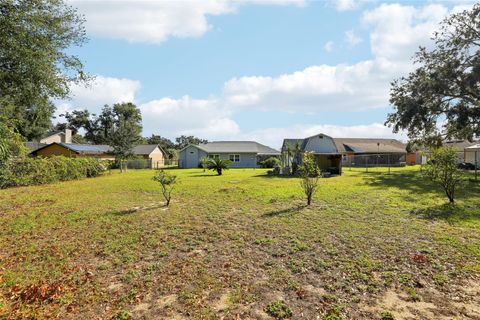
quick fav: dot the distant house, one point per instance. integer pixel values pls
(472, 154)
(325, 151)
(100, 151)
(58, 137)
(371, 152)
(243, 154)
(151, 152)
(332, 153)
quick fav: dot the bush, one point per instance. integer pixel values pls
(25, 171)
(271, 162)
(167, 183)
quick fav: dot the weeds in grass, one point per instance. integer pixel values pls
(279, 310)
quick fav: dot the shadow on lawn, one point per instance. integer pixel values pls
(450, 213)
(137, 209)
(275, 213)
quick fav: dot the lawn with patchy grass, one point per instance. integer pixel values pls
(240, 246)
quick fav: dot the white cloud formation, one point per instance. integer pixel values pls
(396, 31)
(102, 90)
(352, 39)
(189, 116)
(328, 46)
(155, 21)
(346, 5)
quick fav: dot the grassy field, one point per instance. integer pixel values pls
(240, 246)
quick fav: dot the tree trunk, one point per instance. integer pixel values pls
(219, 171)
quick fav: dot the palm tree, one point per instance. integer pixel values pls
(218, 165)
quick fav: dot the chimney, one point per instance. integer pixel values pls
(68, 136)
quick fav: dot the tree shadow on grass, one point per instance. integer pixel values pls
(449, 212)
(413, 181)
(136, 209)
(285, 211)
(283, 176)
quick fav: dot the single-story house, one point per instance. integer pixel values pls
(150, 152)
(100, 151)
(325, 150)
(58, 137)
(243, 154)
(371, 152)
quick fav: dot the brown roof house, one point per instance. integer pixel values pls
(151, 152)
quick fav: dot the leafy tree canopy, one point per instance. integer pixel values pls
(34, 64)
(441, 98)
(184, 141)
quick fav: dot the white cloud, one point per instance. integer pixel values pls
(398, 30)
(206, 118)
(328, 46)
(351, 39)
(102, 90)
(155, 21)
(346, 5)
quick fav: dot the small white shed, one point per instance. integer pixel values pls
(472, 154)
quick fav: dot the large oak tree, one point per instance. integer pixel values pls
(441, 99)
(35, 66)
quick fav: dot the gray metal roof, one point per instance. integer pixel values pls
(238, 147)
(144, 149)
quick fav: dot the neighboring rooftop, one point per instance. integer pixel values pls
(361, 145)
(144, 149)
(238, 147)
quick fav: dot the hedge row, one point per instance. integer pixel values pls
(27, 171)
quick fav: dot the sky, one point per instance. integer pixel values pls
(260, 70)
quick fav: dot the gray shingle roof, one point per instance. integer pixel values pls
(361, 145)
(144, 149)
(238, 147)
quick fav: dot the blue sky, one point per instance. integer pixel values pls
(256, 70)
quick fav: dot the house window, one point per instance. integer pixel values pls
(214, 156)
(235, 157)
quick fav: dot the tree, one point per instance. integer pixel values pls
(184, 141)
(444, 88)
(309, 175)
(167, 183)
(442, 169)
(125, 121)
(35, 66)
(218, 165)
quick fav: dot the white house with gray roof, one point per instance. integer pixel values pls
(243, 154)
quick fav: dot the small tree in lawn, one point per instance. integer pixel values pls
(218, 165)
(442, 169)
(310, 175)
(167, 183)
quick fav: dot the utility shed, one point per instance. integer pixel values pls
(243, 154)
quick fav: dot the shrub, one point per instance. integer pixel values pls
(24, 171)
(387, 315)
(309, 173)
(218, 165)
(271, 162)
(442, 170)
(167, 183)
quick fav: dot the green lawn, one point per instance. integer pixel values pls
(234, 246)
